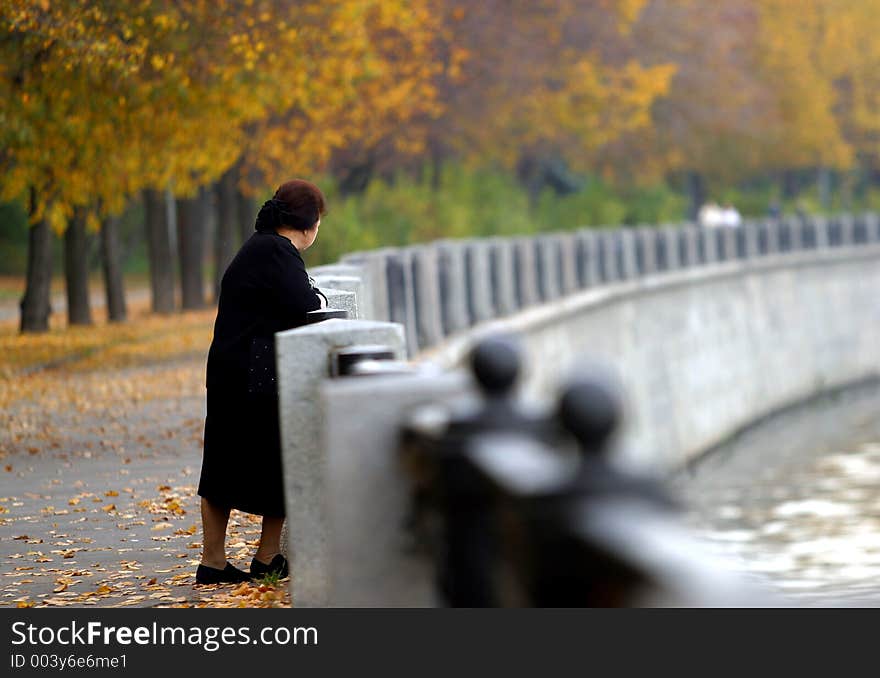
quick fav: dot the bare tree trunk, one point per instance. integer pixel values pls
(224, 237)
(190, 243)
(790, 184)
(247, 215)
(159, 252)
(111, 264)
(76, 271)
(35, 305)
(696, 188)
(823, 183)
(436, 166)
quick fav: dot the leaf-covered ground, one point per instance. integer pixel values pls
(100, 449)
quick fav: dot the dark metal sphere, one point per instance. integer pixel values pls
(495, 363)
(590, 409)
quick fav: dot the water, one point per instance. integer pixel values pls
(795, 502)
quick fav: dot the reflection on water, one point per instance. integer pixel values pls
(795, 502)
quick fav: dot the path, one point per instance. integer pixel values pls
(98, 476)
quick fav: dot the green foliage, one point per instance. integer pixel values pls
(753, 202)
(594, 205)
(467, 203)
(269, 579)
(470, 203)
(653, 204)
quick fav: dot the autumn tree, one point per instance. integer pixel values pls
(529, 85)
(57, 60)
(114, 99)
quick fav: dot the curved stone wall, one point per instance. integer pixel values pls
(704, 352)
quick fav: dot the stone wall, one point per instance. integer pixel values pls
(442, 289)
(702, 353)
(707, 330)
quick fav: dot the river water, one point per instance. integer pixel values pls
(795, 501)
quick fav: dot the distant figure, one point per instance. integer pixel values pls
(730, 216)
(774, 211)
(710, 215)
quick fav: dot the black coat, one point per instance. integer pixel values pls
(265, 290)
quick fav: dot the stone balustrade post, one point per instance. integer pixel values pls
(547, 258)
(647, 249)
(426, 281)
(526, 272)
(479, 281)
(503, 277)
(585, 258)
(751, 247)
(689, 239)
(401, 297)
(343, 283)
(302, 366)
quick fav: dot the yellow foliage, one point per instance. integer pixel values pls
(110, 99)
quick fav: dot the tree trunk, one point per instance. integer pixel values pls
(696, 188)
(247, 215)
(159, 252)
(190, 245)
(823, 182)
(111, 264)
(76, 271)
(35, 305)
(790, 184)
(224, 237)
(436, 167)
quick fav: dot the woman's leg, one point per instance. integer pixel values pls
(214, 521)
(270, 539)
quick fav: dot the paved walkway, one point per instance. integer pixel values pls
(97, 489)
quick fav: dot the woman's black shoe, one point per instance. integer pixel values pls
(277, 566)
(228, 575)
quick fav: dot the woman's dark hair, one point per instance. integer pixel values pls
(297, 204)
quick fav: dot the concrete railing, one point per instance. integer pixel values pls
(443, 288)
(707, 330)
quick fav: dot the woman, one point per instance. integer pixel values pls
(265, 290)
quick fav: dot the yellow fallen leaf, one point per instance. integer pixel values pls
(241, 590)
(111, 493)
